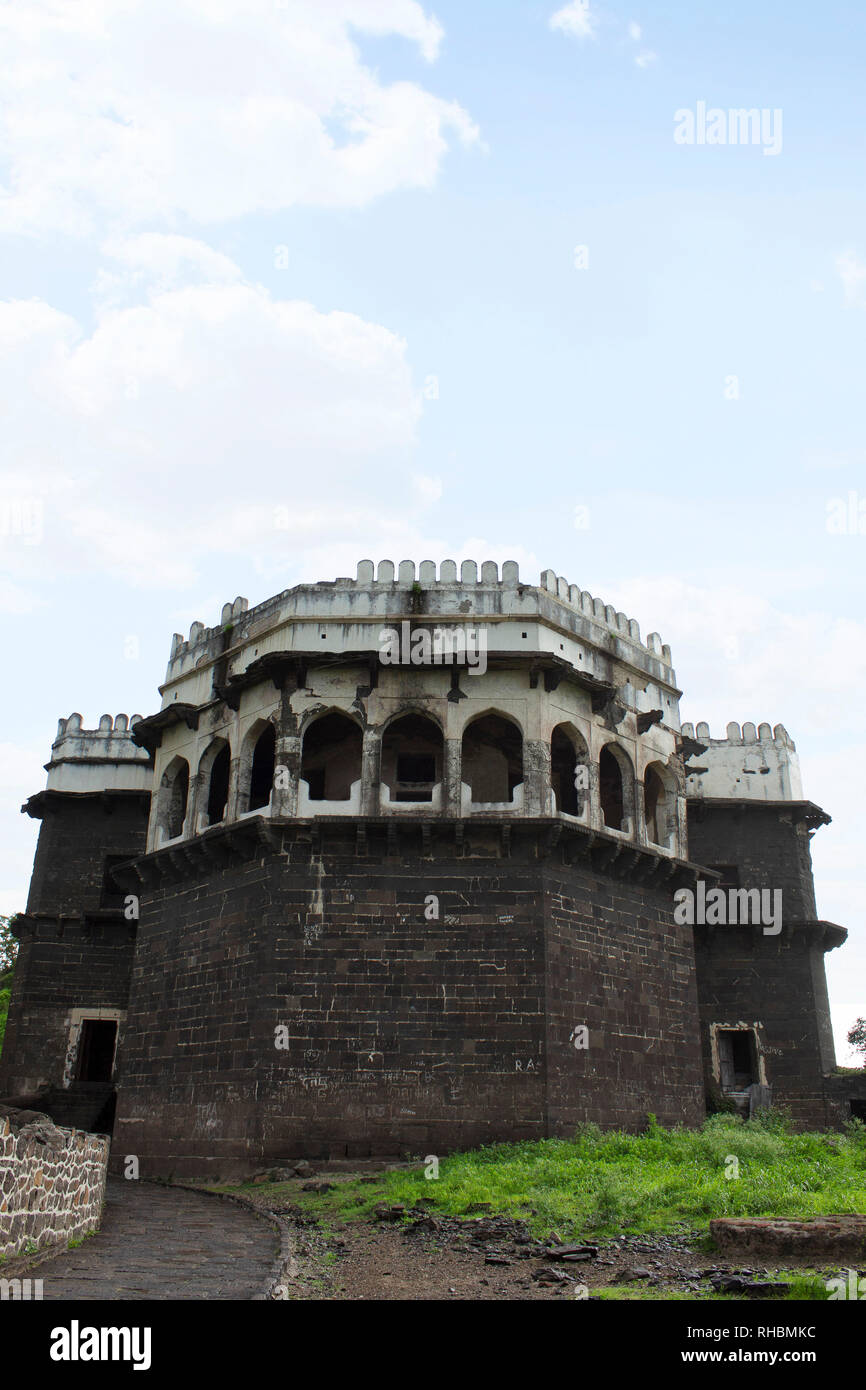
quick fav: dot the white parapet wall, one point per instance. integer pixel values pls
(342, 615)
(752, 763)
(102, 759)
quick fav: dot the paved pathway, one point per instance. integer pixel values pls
(165, 1243)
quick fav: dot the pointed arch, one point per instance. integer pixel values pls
(492, 758)
(331, 756)
(173, 799)
(213, 782)
(258, 758)
(616, 787)
(413, 756)
(569, 770)
(659, 794)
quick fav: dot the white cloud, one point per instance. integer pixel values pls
(852, 273)
(575, 19)
(180, 425)
(429, 490)
(634, 31)
(747, 654)
(646, 58)
(15, 600)
(22, 772)
(740, 657)
(150, 111)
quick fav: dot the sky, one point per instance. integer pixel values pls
(285, 284)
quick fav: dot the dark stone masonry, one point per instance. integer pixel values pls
(401, 1033)
(321, 905)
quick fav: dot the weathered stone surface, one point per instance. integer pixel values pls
(53, 1182)
(406, 1032)
(401, 1034)
(833, 1237)
(754, 1288)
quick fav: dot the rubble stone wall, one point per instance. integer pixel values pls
(52, 1182)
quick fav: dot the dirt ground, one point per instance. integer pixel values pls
(418, 1256)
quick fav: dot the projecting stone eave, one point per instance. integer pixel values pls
(813, 932)
(807, 811)
(381, 836)
(42, 803)
(277, 666)
(148, 732)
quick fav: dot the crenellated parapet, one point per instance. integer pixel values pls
(751, 763)
(349, 612)
(100, 759)
(601, 612)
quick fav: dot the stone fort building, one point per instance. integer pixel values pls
(393, 870)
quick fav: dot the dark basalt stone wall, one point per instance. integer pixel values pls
(74, 951)
(778, 981)
(405, 1032)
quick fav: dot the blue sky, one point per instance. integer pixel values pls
(323, 257)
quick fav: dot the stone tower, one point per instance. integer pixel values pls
(394, 868)
(765, 1014)
(76, 943)
(395, 902)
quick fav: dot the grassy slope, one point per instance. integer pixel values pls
(606, 1183)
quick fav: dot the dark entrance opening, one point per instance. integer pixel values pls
(411, 758)
(492, 754)
(177, 785)
(262, 777)
(610, 790)
(858, 1110)
(419, 771)
(112, 895)
(563, 764)
(96, 1049)
(738, 1059)
(331, 757)
(218, 793)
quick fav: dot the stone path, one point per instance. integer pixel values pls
(165, 1243)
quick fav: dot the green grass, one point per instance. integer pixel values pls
(808, 1287)
(603, 1183)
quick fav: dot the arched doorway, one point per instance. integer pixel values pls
(569, 770)
(331, 757)
(492, 759)
(412, 759)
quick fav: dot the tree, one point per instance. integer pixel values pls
(8, 952)
(857, 1037)
(8, 945)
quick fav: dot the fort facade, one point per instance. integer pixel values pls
(346, 895)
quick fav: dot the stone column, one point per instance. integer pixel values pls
(287, 755)
(452, 765)
(233, 810)
(639, 831)
(196, 802)
(371, 772)
(287, 766)
(536, 777)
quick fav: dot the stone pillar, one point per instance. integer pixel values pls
(452, 765)
(287, 760)
(371, 772)
(196, 802)
(639, 829)
(287, 755)
(536, 777)
(233, 809)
